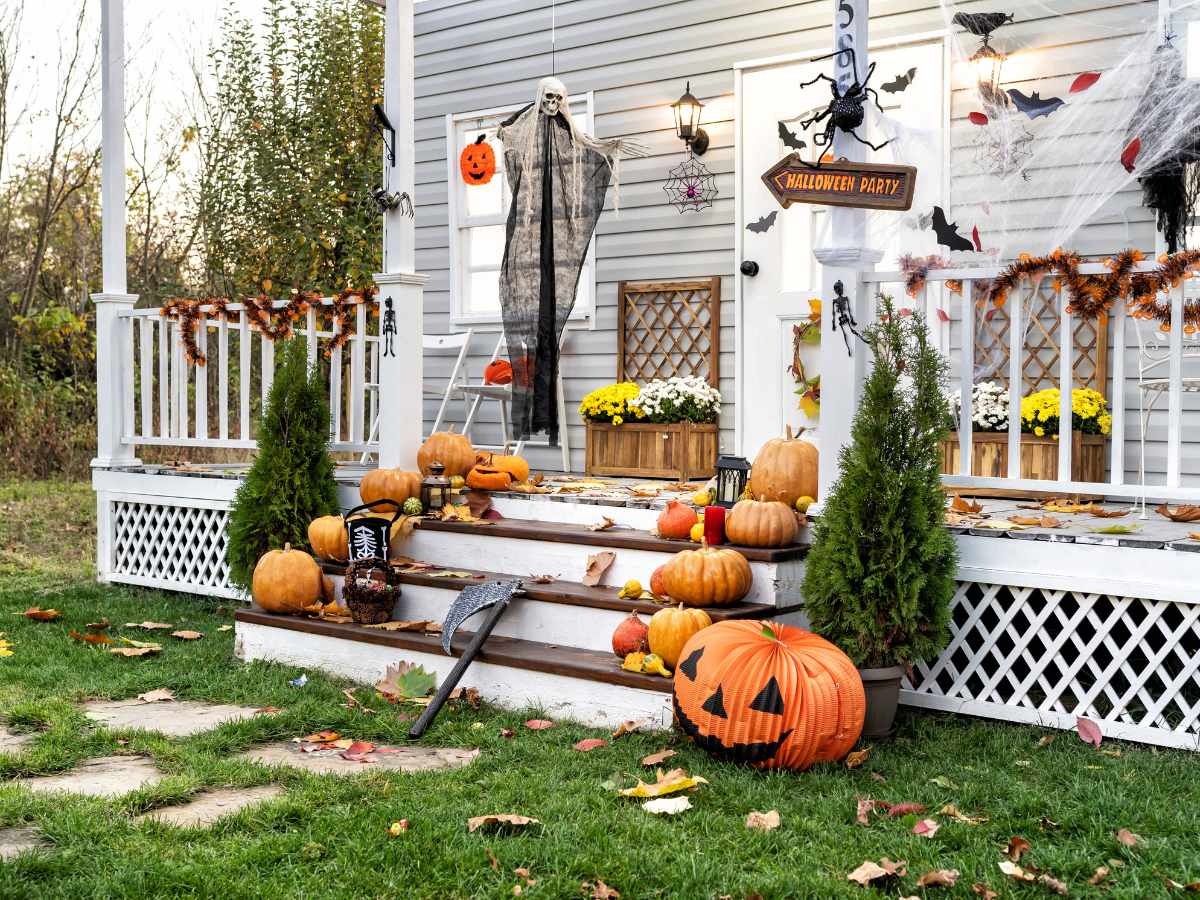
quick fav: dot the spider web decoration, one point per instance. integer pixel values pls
(1004, 148)
(691, 186)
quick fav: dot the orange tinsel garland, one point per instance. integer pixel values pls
(261, 313)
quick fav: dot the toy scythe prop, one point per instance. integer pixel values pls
(470, 600)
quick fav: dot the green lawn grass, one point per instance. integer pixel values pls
(328, 836)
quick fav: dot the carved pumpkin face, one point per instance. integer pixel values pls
(768, 695)
(478, 162)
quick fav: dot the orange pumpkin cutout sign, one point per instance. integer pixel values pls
(768, 695)
(478, 162)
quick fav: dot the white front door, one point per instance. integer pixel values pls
(788, 277)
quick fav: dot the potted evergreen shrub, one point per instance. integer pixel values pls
(291, 481)
(880, 574)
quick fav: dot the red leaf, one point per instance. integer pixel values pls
(926, 827)
(977, 118)
(1084, 81)
(590, 744)
(943, 315)
(1129, 154)
(1017, 846)
(903, 809)
(905, 311)
(1089, 732)
(1127, 837)
(539, 724)
(975, 238)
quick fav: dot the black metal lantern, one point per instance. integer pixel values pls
(687, 121)
(435, 489)
(732, 474)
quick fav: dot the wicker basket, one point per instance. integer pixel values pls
(371, 591)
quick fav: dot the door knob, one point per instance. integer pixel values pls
(749, 268)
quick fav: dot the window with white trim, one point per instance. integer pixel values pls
(478, 217)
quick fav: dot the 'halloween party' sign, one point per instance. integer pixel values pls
(858, 184)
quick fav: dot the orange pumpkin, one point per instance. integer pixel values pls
(754, 523)
(710, 576)
(478, 162)
(389, 484)
(498, 371)
(671, 628)
(286, 581)
(785, 470)
(488, 478)
(516, 466)
(676, 521)
(328, 539)
(657, 587)
(768, 695)
(452, 450)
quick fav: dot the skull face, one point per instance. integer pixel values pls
(552, 101)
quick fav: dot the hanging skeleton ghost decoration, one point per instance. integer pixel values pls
(559, 177)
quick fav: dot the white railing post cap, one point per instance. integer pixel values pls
(102, 297)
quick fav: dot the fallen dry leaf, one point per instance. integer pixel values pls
(41, 615)
(952, 811)
(939, 878)
(599, 890)
(149, 626)
(1045, 741)
(187, 635)
(1088, 731)
(1185, 513)
(866, 806)
(1127, 838)
(159, 695)
(1109, 513)
(133, 651)
(405, 682)
(420, 625)
(506, 732)
(271, 710)
(588, 744)
(604, 524)
(478, 502)
(1038, 521)
(1017, 847)
(629, 726)
(225, 628)
(904, 809)
(468, 695)
(1012, 870)
(95, 637)
(1063, 505)
(1053, 884)
(666, 783)
(1099, 875)
(926, 828)
(597, 565)
(857, 758)
(398, 828)
(870, 871)
(102, 625)
(538, 724)
(959, 505)
(983, 891)
(492, 861)
(541, 579)
(767, 821)
(655, 758)
(499, 821)
(667, 805)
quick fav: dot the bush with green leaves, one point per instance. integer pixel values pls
(291, 481)
(880, 574)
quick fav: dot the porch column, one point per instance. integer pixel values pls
(400, 288)
(114, 345)
(843, 260)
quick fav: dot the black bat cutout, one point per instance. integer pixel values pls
(900, 82)
(789, 138)
(1034, 105)
(764, 224)
(947, 232)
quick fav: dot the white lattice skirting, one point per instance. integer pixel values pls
(1046, 656)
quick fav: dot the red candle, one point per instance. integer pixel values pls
(714, 525)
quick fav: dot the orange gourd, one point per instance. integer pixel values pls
(328, 539)
(629, 636)
(754, 523)
(389, 484)
(671, 628)
(785, 470)
(498, 371)
(676, 521)
(710, 576)
(657, 587)
(286, 581)
(478, 162)
(768, 695)
(487, 478)
(452, 450)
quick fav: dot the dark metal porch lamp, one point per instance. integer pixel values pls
(988, 62)
(687, 121)
(435, 489)
(732, 475)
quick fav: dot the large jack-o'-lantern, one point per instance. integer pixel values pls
(768, 695)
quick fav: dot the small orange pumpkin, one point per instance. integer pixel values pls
(676, 521)
(710, 576)
(785, 470)
(489, 478)
(498, 371)
(768, 695)
(328, 539)
(673, 627)
(656, 582)
(286, 581)
(754, 523)
(452, 450)
(478, 162)
(389, 484)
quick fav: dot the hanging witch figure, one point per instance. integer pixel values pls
(559, 177)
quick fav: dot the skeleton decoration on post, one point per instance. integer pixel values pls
(559, 177)
(389, 328)
(843, 318)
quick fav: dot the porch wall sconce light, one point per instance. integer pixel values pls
(687, 121)
(987, 61)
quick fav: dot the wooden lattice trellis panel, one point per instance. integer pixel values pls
(170, 546)
(1126, 663)
(669, 328)
(1039, 366)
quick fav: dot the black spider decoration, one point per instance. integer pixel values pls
(845, 110)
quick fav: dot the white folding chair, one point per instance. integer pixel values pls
(1154, 355)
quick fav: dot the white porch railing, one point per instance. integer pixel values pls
(166, 400)
(975, 280)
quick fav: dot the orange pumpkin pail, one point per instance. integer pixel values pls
(768, 695)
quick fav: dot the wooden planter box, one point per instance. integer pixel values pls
(1039, 456)
(683, 451)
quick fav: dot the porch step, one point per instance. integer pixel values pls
(585, 685)
(530, 548)
(561, 613)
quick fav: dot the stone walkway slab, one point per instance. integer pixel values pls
(17, 840)
(210, 806)
(179, 718)
(107, 776)
(13, 743)
(331, 762)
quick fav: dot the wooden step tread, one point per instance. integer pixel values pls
(589, 665)
(618, 538)
(571, 593)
